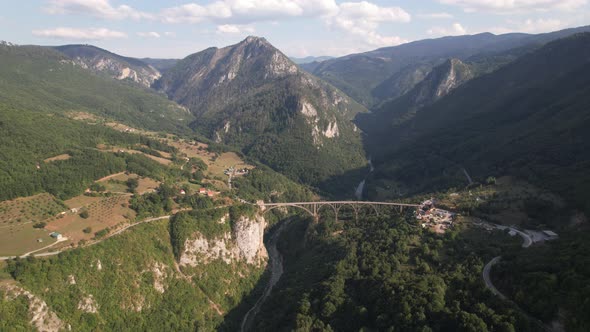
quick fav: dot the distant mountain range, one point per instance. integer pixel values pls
(373, 77)
(310, 59)
(252, 97)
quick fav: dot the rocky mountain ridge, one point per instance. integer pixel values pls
(116, 66)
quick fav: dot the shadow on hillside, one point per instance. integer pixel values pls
(343, 186)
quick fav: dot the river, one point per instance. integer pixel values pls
(276, 271)
(360, 189)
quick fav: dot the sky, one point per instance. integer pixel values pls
(300, 28)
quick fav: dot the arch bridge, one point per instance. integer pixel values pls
(314, 208)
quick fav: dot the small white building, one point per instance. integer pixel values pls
(56, 235)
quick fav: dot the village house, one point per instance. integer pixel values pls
(56, 235)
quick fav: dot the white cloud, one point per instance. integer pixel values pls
(511, 6)
(194, 13)
(80, 34)
(362, 19)
(435, 16)
(247, 11)
(170, 34)
(456, 29)
(150, 34)
(234, 29)
(97, 8)
(531, 26)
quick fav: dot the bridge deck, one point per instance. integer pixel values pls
(338, 202)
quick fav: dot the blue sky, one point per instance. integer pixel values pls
(174, 29)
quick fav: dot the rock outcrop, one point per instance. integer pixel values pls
(114, 65)
(42, 318)
(244, 243)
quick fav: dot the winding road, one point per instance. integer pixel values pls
(527, 241)
(486, 276)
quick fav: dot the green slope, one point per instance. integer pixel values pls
(528, 119)
(252, 97)
(42, 79)
(137, 286)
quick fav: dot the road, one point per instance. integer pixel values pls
(53, 253)
(486, 277)
(527, 241)
(276, 270)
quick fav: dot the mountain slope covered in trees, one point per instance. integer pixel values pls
(251, 96)
(373, 77)
(114, 65)
(42, 79)
(526, 119)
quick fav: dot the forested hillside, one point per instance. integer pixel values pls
(385, 273)
(526, 119)
(252, 97)
(27, 138)
(111, 64)
(37, 78)
(387, 73)
(116, 287)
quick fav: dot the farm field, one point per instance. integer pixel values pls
(117, 183)
(216, 165)
(29, 209)
(106, 212)
(81, 200)
(19, 239)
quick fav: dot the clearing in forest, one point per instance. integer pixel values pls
(106, 212)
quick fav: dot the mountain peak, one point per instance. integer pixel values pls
(253, 39)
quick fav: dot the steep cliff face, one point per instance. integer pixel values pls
(116, 66)
(439, 82)
(245, 243)
(135, 277)
(250, 95)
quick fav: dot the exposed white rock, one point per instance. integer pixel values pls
(316, 135)
(160, 275)
(249, 236)
(98, 265)
(246, 243)
(308, 110)
(226, 127)
(87, 304)
(43, 319)
(279, 65)
(332, 130)
(71, 279)
(200, 250)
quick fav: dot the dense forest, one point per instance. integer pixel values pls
(384, 273)
(42, 79)
(27, 142)
(551, 281)
(533, 128)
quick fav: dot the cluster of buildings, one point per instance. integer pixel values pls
(431, 217)
(208, 192)
(232, 171)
